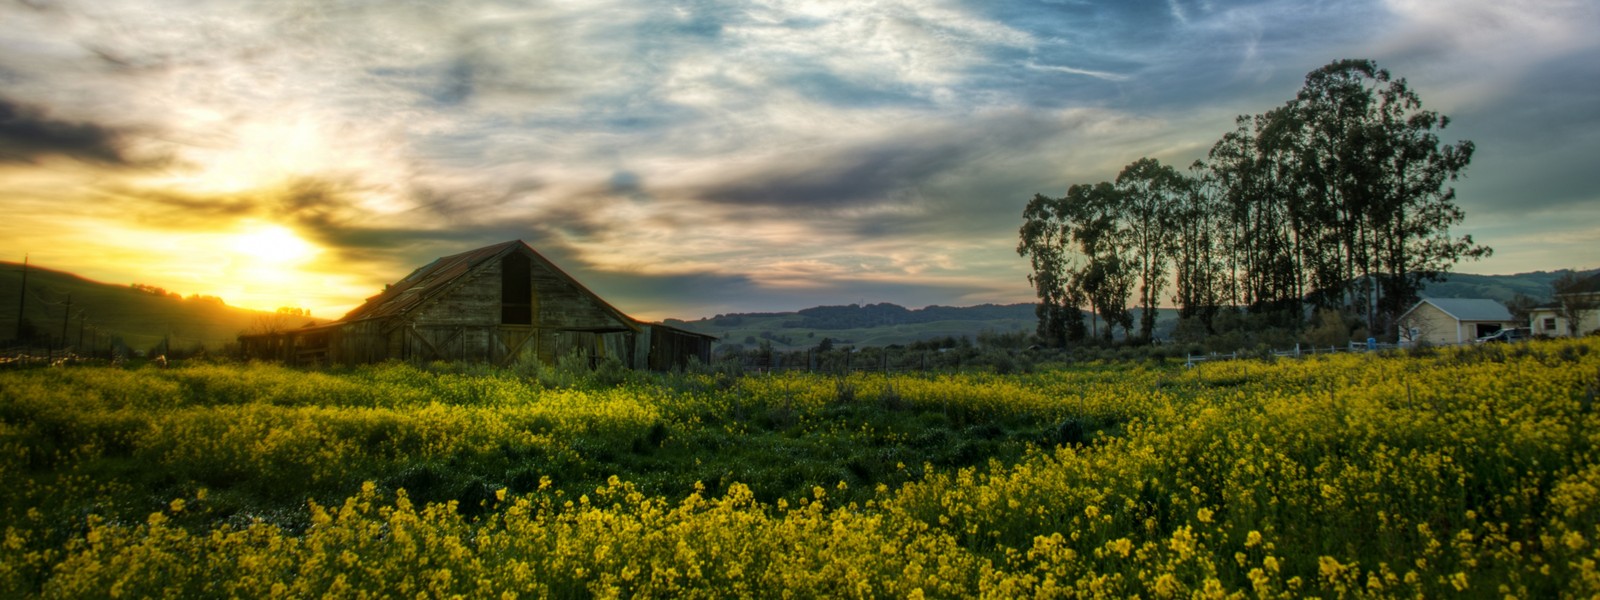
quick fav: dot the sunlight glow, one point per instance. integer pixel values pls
(273, 244)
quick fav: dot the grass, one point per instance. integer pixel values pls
(1459, 472)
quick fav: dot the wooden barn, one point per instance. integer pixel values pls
(495, 304)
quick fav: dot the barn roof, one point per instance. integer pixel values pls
(439, 276)
(1469, 309)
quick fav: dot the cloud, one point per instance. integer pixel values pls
(30, 135)
(888, 167)
(775, 151)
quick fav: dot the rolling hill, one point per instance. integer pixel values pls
(855, 325)
(886, 324)
(141, 319)
(1535, 285)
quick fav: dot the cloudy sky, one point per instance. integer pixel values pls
(691, 158)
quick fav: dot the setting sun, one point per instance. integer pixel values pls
(273, 244)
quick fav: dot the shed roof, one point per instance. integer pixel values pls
(1469, 309)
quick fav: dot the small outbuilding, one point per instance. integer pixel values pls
(1440, 321)
(497, 304)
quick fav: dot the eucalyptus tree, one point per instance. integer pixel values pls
(1102, 239)
(1201, 277)
(1047, 241)
(1150, 195)
(1373, 181)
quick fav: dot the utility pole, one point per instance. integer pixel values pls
(22, 299)
(66, 318)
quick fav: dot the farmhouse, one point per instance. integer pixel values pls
(496, 304)
(1582, 301)
(1452, 320)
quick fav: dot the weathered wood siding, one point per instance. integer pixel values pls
(560, 305)
(670, 348)
(464, 323)
(470, 317)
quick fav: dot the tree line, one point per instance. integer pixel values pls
(1340, 199)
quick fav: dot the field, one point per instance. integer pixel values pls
(141, 320)
(1457, 472)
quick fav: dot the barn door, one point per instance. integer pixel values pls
(512, 340)
(432, 343)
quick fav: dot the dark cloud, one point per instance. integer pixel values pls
(875, 172)
(28, 134)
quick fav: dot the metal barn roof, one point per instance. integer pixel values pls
(1471, 309)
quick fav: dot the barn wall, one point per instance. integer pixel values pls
(670, 348)
(558, 304)
(464, 323)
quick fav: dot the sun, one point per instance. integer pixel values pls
(273, 244)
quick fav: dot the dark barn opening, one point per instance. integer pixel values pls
(516, 290)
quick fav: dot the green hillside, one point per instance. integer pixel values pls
(873, 325)
(140, 319)
(1535, 285)
(888, 324)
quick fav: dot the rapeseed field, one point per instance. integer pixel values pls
(1458, 472)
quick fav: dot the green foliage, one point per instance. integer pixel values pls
(1340, 198)
(1460, 471)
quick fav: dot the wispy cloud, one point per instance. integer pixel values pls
(1076, 71)
(705, 153)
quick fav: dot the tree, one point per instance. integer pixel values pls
(1576, 296)
(825, 345)
(1106, 275)
(1372, 179)
(1201, 275)
(1047, 235)
(1521, 307)
(1150, 194)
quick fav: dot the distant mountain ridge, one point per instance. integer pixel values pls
(886, 323)
(855, 316)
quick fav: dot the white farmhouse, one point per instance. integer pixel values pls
(1549, 320)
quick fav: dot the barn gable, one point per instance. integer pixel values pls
(498, 304)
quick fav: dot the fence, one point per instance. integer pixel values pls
(1296, 352)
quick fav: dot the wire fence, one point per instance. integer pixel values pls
(1296, 352)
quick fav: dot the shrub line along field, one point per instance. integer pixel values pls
(1453, 472)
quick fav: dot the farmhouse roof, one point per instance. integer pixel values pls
(443, 273)
(1469, 309)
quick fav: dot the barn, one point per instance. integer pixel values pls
(496, 304)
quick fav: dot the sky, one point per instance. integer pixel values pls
(685, 159)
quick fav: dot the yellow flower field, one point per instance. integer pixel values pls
(1461, 472)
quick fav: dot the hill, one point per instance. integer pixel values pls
(140, 317)
(857, 325)
(887, 324)
(1535, 285)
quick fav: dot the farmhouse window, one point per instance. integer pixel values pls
(1549, 323)
(516, 290)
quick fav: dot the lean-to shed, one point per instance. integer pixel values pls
(496, 304)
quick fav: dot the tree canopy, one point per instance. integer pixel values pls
(1340, 199)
